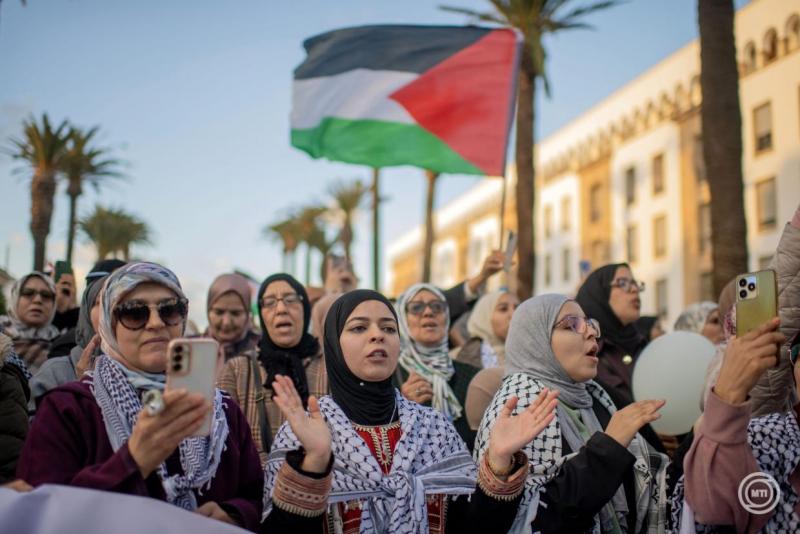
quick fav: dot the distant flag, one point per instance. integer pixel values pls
(436, 97)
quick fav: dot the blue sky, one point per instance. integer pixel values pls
(195, 95)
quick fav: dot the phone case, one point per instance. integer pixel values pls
(193, 367)
(755, 307)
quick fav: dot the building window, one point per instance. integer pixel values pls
(660, 236)
(770, 46)
(566, 214)
(548, 266)
(566, 265)
(762, 125)
(766, 204)
(707, 287)
(548, 221)
(630, 185)
(750, 61)
(658, 174)
(697, 159)
(764, 261)
(662, 308)
(792, 33)
(704, 227)
(631, 243)
(595, 208)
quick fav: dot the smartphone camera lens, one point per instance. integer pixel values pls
(177, 367)
(751, 287)
(742, 282)
(178, 349)
(178, 358)
(743, 293)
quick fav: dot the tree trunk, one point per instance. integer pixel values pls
(347, 237)
(376, 230)
(73, 215)
(525, 177)
(429, 202)
(722, 139)
(43, 190)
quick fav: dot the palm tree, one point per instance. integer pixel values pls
(286, 231)
(42, 148)
(534, 19)
(113, 231)
(308, 221)
(84, 164)
(348, 198)
(722, 139)
(318, 240)
(429, 230)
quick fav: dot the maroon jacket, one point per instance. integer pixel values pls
(67, 444)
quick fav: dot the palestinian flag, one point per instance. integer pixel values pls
(436, 97)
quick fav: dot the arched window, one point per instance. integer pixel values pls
(749, 63)
(770, 46)
(792, 33)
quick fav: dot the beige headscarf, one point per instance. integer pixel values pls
(480, 323)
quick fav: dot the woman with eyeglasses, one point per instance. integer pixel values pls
(29, 322)
(426, 373)
(95, 433)
(590, 470)
(286, 348)
(365, 459)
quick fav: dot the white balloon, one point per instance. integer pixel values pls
(673, 367)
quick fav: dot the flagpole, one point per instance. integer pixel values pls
(376, 199)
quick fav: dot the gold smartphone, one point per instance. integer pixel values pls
(756, 300)
(192, 365)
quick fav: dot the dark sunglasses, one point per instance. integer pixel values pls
(417, 307)
(135, 315)
(579, 324)
(30, 293)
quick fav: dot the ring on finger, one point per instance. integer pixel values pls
(153, 402)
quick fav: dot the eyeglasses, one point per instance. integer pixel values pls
(289, 299)
(628, 285)
(579, 324)
(30, 293)
(134, 315)
(417, 307)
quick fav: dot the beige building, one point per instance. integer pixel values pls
(625, 181)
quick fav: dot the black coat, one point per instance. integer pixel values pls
(587, 482)
(14, 396)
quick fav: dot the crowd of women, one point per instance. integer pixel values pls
(454, 410)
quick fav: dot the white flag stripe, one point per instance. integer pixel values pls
(356, 94)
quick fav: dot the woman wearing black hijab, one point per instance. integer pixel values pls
(385, 463)
(286, 348)
(611, 295)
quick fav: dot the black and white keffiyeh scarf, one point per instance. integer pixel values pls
(429, 459)
(775, 442)
(120, 405)
(546, 458)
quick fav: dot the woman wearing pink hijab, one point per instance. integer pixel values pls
(230, 321)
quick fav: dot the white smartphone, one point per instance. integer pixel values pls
(192, 365)
(511, 248)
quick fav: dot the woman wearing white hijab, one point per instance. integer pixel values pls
(488, 328)
(589, 470)
(426, 371)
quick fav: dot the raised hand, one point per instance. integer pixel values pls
(746, 359)
(625, 423)
(86, 361)
(511, 432)
(310, 428)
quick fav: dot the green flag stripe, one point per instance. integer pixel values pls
(380, 144)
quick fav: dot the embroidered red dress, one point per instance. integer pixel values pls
(381, 441)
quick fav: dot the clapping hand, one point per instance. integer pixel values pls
(310, 428)
(511, 432)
